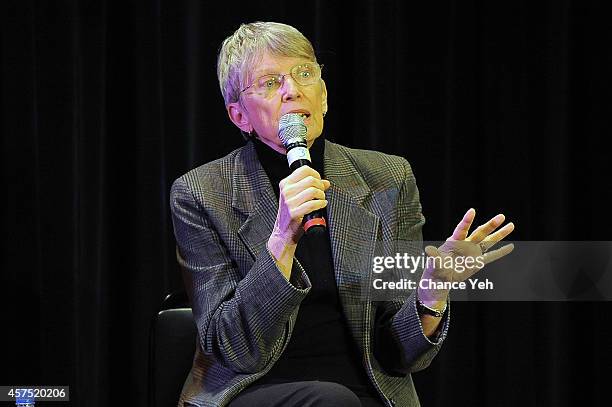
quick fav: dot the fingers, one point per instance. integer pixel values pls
(483, 231)
(490, 240)
(304, 184)
(463, 227)
(307, 194)
(300, 180)
(498, 253)
(302, 192)
(298, 212)
(299, 174)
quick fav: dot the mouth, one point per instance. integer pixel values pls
(304, 113)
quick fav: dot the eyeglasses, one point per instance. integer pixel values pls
(303, 74)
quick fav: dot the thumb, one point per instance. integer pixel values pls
(432, 251)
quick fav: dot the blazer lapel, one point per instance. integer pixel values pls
(254, 197)
(353, 230)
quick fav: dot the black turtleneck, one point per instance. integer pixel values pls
(321, 346)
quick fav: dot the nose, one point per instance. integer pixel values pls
(290, 90)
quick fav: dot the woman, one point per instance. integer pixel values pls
(281, 316)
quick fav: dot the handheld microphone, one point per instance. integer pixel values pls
(292, 132)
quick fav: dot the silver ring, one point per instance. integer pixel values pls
(483, 248)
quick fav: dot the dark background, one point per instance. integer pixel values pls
(501, 106)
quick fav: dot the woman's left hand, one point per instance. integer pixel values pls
(461, 245)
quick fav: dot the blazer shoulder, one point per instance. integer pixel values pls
(215, 174)
(207, 186)
(375, 167)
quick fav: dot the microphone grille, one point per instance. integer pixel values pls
(291, 126)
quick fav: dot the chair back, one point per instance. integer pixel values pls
(171, 348)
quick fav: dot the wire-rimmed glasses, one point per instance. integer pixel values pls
(303, 74)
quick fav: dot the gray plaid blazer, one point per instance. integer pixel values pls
(245, 310)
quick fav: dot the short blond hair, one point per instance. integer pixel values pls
(239, 53)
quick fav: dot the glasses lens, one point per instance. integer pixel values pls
(267, 84)
(306, 74)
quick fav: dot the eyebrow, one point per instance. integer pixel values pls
(273, 71)
(262, 72)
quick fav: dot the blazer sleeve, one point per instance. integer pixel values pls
(242, 319)
(400, 344)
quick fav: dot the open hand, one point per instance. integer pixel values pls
(475, 246)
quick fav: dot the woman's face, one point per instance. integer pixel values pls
(261, 113)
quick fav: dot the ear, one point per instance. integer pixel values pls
(239, 117)
(323, 97)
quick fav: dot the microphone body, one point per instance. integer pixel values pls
(292, 132)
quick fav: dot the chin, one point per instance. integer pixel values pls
(312, 138)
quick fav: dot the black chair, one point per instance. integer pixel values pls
(172, 344)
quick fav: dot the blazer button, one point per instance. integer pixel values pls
(392, 402)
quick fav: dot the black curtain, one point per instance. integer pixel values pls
(501, 106)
